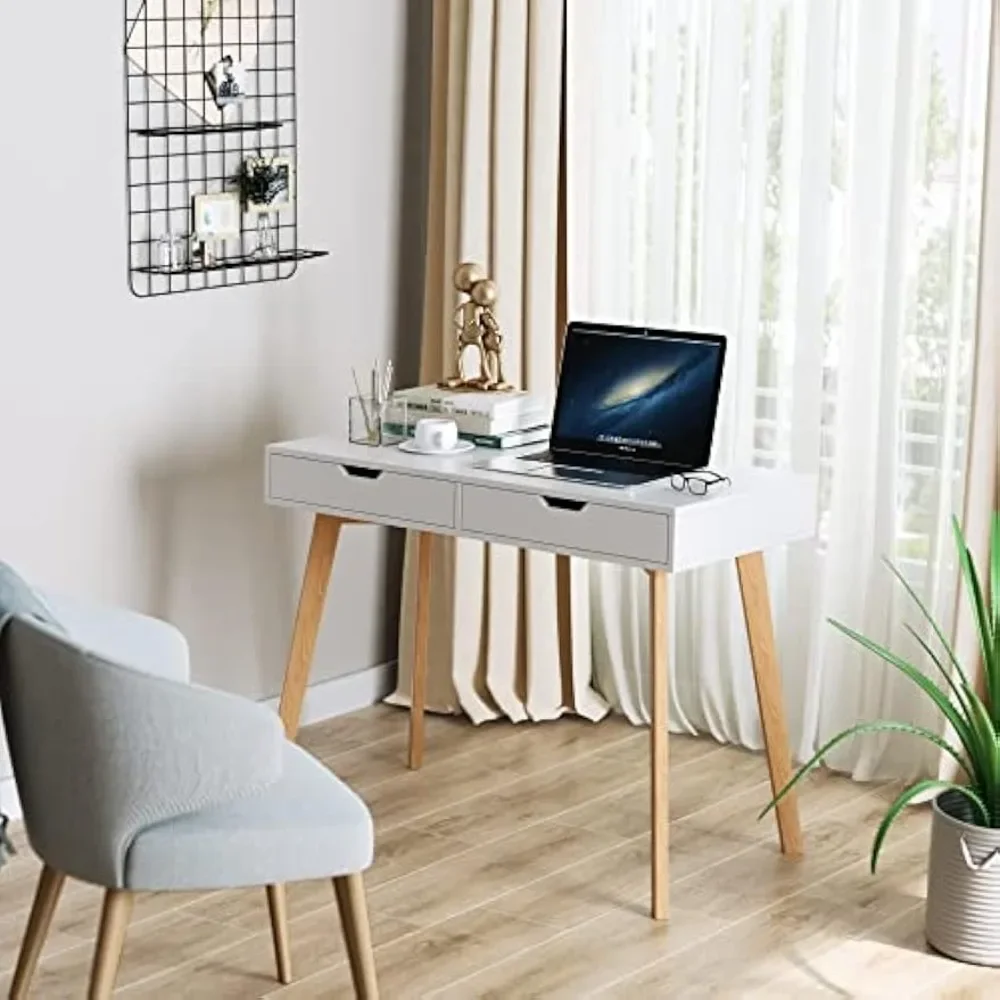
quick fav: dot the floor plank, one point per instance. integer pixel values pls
(516, 864)
(246, 968)
(578, 961)
(416, 965)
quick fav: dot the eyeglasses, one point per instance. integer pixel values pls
(698, 483)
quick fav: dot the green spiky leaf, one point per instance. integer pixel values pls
(958, 722)
(878, 726)
(959, 690)
(938, 631)
(995, 576)
(974, 719)
(907, 797)
(983, 620)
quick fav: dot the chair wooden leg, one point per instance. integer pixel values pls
(115, 915)
(277, 906)
(50, 885)
(760, 633)
(419, 693)
(350, 890)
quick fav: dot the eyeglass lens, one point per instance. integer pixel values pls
(697, 483)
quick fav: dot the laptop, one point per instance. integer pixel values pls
(634, 405)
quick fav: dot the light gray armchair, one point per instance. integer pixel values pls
(136, 783)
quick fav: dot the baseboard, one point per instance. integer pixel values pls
(325, 700)
(343, 695)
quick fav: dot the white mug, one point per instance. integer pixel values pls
(435, 434)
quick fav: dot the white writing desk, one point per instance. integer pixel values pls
(655, 528)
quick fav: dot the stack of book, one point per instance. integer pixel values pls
(488, 419)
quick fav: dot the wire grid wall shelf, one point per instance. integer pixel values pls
(181, 144)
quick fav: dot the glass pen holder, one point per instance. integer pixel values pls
(376, 424)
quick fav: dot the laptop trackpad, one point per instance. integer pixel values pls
(576, 475)
(530, 466)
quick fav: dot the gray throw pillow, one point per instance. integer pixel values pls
(17, 597)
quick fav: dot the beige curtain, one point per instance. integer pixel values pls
(982, 486)
(510, 630)
(982, 475)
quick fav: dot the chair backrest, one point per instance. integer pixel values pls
(18, 597)
(101, 751)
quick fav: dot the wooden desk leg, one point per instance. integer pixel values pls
(760, 633)
(418, 695)
(312, 598)
(659, 802)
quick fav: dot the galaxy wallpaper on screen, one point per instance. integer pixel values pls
(657, 396)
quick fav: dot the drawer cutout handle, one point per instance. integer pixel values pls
(561, 503)
(361, 472)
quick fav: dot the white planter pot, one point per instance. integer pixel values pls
(963, 884)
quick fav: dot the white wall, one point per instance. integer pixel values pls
(132, 432)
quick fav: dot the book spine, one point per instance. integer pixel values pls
(469, 423)
(514, 439)
(489, 440)
(497, 441)
(495, 405)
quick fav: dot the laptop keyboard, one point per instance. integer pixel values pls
(578, 475)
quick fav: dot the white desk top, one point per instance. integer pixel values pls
(762, 508)
(659, 497)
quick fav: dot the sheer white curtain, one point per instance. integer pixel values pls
(807, 177)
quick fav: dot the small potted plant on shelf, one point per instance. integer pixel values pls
(963, 882)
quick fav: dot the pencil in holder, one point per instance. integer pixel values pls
(374, 423)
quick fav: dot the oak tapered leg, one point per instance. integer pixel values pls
(50, 885)
(312, 599)
(422, 633)
(115, 915)
(760, 633)
(350, 890)
(277, 908)
(659, 803)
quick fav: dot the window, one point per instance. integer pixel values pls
(808, 177)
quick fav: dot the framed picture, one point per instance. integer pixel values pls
(228, 80)
(216, 217)
(268, 184)
(181, 45)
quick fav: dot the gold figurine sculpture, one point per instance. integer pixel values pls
(476, 327)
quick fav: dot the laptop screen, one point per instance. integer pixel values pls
(639, 394)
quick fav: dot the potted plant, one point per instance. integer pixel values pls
(963, 881)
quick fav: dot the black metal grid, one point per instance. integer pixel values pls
(175, 151)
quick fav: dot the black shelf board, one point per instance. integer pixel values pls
(163, 133)
(229, 263)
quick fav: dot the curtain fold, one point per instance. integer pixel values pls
(508, 628)
(982, 472)
(808, 178)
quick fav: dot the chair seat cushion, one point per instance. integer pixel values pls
(307, 825)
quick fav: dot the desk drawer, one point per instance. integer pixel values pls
(596, 528)
(361, 490)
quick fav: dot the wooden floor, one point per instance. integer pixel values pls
(516, 865)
